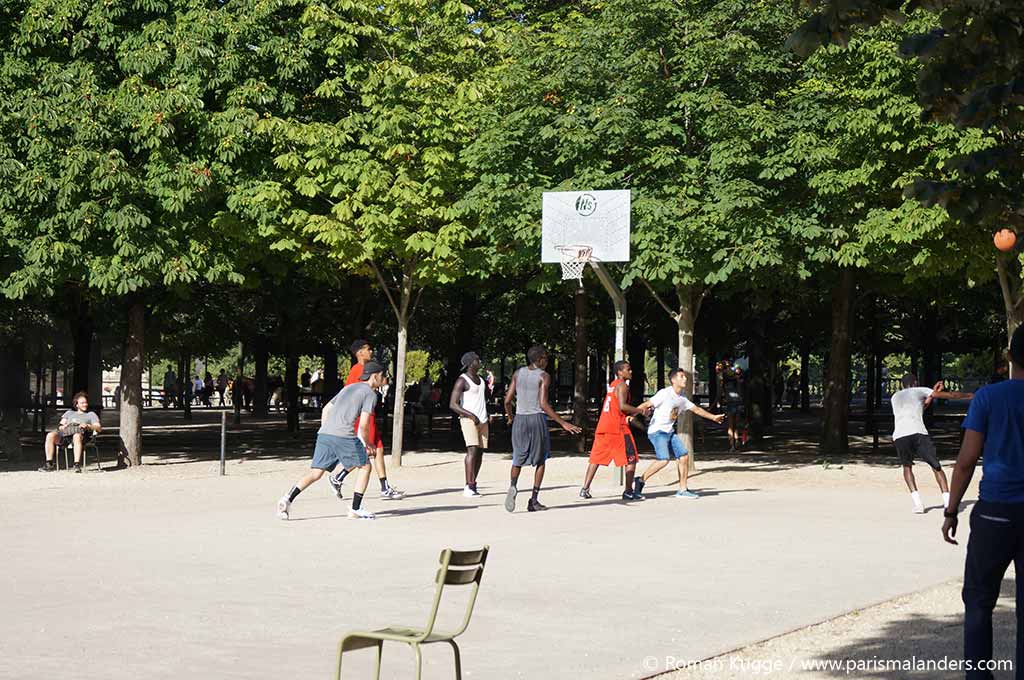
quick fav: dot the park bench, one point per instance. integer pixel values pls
(458, 568)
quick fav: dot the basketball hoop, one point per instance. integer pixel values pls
(574, 261)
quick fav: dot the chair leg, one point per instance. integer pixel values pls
(458, 660)
(380, 653)
(419, 662)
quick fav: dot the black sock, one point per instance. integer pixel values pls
(357, 500)
(536, 491)
(473, 486)
(340, 477)
(638, 484)
(383, 483)
(294, 493)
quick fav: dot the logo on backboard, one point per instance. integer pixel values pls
(586, 205)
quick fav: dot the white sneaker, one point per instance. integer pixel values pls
(918, 509)
(392, 494)
(361, 514)
(469, 493)
(283, 506)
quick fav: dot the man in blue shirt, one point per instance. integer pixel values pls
(994, 431)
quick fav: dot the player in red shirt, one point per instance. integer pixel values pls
(362, 350)
(613, 442)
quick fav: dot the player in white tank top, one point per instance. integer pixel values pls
(469, 401)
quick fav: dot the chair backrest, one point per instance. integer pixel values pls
(458, 568)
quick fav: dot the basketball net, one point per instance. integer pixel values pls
(574, 261)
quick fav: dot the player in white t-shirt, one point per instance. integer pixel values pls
(668, 405)
(911, 436)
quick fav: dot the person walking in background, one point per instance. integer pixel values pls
(994, 432)
(222, 386)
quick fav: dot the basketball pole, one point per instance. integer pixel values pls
(619, 302)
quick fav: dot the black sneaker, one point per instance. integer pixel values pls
(535, 506)
(585, 493)
(48, 467)
(638, 486)
(335, 484)
(78, 467)
(631, 496)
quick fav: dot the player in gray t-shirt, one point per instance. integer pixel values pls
(77, 426)
(339, 443)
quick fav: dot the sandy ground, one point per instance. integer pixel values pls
(170, 571)
(878, 642)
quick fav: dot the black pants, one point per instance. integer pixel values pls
(997, 538)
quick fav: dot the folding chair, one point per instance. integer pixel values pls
(458, 568)
(69, 450)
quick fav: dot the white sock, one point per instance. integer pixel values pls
(917, 498)
(945, 499)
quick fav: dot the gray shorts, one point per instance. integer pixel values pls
(332, 451)
(531, 440)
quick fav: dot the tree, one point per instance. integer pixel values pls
(970, 76)
(369, 160)
(107, 168)
(670, 100)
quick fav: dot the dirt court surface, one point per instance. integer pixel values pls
(170, 571)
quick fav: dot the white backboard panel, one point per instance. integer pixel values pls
(599, 219)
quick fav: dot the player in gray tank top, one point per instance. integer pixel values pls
(531, 442)
(528, 386)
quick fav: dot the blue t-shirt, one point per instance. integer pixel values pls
(997, 412)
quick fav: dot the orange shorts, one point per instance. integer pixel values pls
(613, 448)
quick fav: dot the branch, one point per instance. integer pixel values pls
(657, 298)
(387, 289)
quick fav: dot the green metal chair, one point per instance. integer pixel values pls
(458, 568)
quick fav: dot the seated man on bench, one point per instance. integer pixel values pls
(77, 426)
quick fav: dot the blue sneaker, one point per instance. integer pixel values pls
(687, 494)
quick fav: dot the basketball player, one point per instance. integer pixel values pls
(362, 350)
(613, 442)
(668, 405)
(910, 436)
(531, 440)
(340, 439)
(469, 401)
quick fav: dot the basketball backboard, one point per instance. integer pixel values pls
(599, 219)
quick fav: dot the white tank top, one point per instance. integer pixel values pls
(474, 398)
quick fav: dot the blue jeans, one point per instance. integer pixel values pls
(667, 445)
(997, 538)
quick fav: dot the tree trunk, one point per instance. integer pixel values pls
(291, 387)
(931, 349)
(131, 383)
(186, 386)
(712, 380)
(758, 385)
(330, 380)
(96, 376)
(869, 385)
(260, 398)
(836, 404)
(398, 419)
(805, 379)
(686, 322)
(14, 389)
(661, 366)
(580, 382)
(1013, 299)
(81, 334)
(636, 345)
(879, 377)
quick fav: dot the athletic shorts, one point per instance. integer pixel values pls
(613, 448)
(531, 441)
(917, 446)
(67, 440)
(734, 409)
(475, 435)
(667, 445)
(332, 451)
